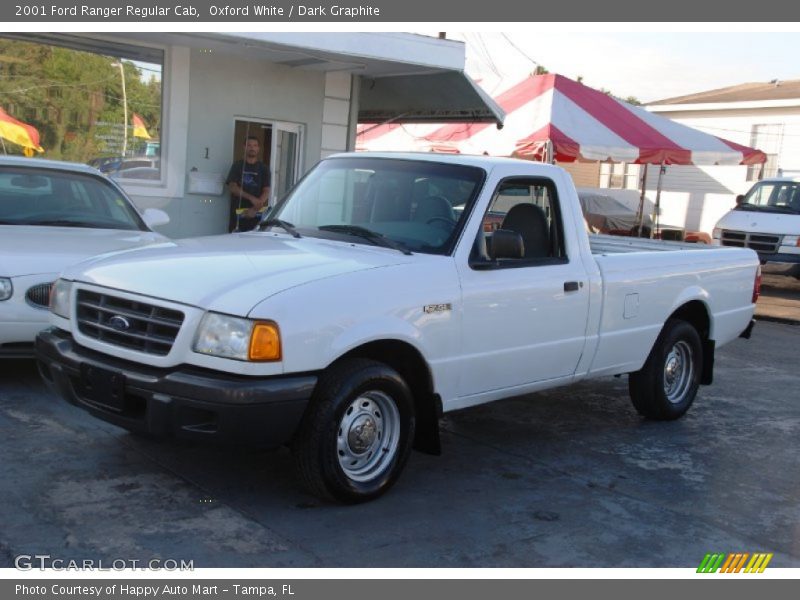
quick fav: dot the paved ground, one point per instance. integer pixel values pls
(780, 299)
(566, 478)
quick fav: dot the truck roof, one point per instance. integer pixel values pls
(476, 160)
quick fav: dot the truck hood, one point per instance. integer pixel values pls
(761, 222)
(33, 250)
(230, 273)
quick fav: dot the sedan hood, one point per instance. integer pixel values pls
(230, 273)
(33, 250)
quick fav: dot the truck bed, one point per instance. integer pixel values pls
(612, 244)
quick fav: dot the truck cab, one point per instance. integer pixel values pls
(766, 219)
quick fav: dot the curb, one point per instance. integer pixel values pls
(774, 319)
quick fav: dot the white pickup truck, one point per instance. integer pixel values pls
(384, 290)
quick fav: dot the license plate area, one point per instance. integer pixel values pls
(104, 387)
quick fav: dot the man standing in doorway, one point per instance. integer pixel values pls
(248, 182)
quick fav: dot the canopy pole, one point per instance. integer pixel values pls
(662, 169)
(640, 211)
(550, 158)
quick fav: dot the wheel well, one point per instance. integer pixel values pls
(407, 360)
(696, 314)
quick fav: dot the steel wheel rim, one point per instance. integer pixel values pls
(678, 372)
(368, 436)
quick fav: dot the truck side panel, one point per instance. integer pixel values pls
(641, 291)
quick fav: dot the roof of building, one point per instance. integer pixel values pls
(744, 92)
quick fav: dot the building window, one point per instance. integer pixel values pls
(620, 176)
(768, 138)
(92, 101)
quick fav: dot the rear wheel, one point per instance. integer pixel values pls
(667, 384)
(356, 435)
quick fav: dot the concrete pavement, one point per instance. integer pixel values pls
(566, 478)
(780, 299)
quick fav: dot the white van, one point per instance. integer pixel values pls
(767, 220)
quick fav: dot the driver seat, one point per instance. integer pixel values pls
(432, 207)
(530, 222)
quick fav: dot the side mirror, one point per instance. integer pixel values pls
(154, 217)
(506, 244)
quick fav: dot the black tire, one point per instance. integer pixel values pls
(667, 384)
(357, 432)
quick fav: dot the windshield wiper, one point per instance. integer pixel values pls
(286, 226)
(371, 236)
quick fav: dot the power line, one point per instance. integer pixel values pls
(518, 49)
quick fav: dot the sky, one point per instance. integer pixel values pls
(650, 66)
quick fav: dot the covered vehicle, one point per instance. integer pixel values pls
(54, 214)
(606, 214)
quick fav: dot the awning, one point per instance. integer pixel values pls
(426, 98)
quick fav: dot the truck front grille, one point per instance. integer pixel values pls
(760, 242)
(128, 323)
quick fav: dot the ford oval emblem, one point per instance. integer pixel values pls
(119, 323)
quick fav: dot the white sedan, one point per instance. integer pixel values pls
(52, 215)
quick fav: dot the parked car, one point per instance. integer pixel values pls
(54, 214)
(137, 173)
(767, 220)
(115, 164)
(367, 305)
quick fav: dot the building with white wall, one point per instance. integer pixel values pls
(761, 115)
(301, 94)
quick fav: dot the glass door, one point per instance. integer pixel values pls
(287, 142)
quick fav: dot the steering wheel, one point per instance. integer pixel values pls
(448, 221)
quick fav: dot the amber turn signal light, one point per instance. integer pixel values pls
(265, 342)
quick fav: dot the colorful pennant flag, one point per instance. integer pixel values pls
(18, 132)
(139, 129)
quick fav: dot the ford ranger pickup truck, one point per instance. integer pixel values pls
(382, 291)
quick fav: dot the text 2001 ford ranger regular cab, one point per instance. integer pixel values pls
(385, 289)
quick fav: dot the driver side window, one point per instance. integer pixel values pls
(522, 226)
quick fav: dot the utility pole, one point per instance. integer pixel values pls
(124, 108)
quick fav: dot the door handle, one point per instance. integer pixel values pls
(572, 286)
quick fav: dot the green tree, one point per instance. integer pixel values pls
(75, 98)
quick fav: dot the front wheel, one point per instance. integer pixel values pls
(667, 384)
(356, 435)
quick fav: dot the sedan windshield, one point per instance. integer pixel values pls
(773, 196)
(49, 197)
(405, 205)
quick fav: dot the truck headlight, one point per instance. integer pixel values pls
(791, 240)
(60, 297)
(239, 339)
(6, 288)
(716, 233)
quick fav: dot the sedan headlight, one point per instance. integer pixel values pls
(6, 288)
(239, 339)
(60, 298)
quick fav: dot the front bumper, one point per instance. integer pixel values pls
(183, 402)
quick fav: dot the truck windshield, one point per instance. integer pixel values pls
(409, 205)
(773, 196)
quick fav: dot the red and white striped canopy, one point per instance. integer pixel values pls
(580, 123)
